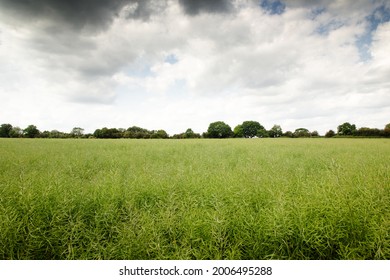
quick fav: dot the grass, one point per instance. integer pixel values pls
(195, 199)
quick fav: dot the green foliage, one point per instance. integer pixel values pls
(5, 130)
(330, 134)
(196, 199)
(16, 132)
(275, 131)
(251, 128)
(131, 132)
(262, 133)
(31, 131)
(137, 132)
(216, 130)
(386, 131)
(57, 134)
(159, 134)
(219, 129)
(189, 134)
(366, 131)
(301, 132)
(77, 132)
(238, 132)
(44, 134)
(108, 133)
(346, 129)
(314, 133)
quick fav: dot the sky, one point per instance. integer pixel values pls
(178, 64)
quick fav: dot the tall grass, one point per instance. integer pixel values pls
(195, 199)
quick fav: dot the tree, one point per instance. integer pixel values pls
(368, 132)
(159, 134)
(31, 131)
(330, 133)
(5, 130)
(301, 132)
(16, 132)
(314, 133)
(346, 129)
(219, 129)
(186, 135)
(386, 131)
(251, 128)
(238, 133)
(45, 134)
(77, 132)
(190, 134)
(262, 133)
(275, 131)
(107, 133)
(97, 133)
(137, 132)
(57, 134)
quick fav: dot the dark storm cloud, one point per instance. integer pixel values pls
(98, 14)
(194, 7)
(76, 13)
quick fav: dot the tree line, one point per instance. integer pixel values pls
(219, 129)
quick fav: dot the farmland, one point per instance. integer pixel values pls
(195, 199)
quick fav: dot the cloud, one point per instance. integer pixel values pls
(74, 13)
(95, 15)
(194, 7)
(79, 14)
(180, 64)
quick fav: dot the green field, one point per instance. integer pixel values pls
(195, 199)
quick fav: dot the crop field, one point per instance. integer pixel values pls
(195, 199)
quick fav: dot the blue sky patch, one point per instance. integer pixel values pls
(324, 29)
(379, 16)
(171, 59)
(138, 70)
(273, 7)
(316, 12)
